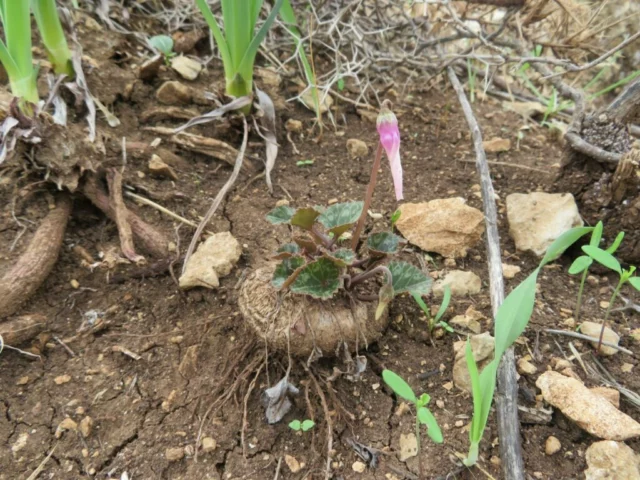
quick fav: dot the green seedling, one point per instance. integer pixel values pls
(583, 262)
(304, 163)
(304, 426)
(55, 43)
(603, 257)
(437, 320)
(511, 320)
(423, 414)
(394, 219)
(340, 84)
(164, 45)
(15, 52)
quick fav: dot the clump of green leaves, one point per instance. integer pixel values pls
(164, 45)
(318, 263)
(304, 426)
(423, 414)
(46, 15)
(435, 322)
(511, 320)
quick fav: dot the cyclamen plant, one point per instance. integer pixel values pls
(319, 262)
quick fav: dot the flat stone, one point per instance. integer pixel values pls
(537, 219)
(445, 226)
(208, 444)
(471, 320)
(483, 347)
(497, 145)
(174, 93)
(593, 330)
(186, 67)
(357, 148)
(408, 446)
(589, 411)
(213, 259)
(525, 367)
(510, 271)
(611, 395)
(608, 460)
(174, 454)
(460, 282)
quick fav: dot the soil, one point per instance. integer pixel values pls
(190, 349)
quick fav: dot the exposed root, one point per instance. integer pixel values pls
(245, 423)
(327, 418)
(120, 212)
(21, 281)
(22, 329)
(151, 239)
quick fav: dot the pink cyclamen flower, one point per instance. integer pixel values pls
(387, 125)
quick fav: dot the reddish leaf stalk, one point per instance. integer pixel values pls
(369, 195)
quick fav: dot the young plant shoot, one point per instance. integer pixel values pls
(46, 15)
(15, 52)
(511, 320)
(304, 426)
(423, 414)
(164, 45)
(437, 320)
(318, 264)
(239, 42)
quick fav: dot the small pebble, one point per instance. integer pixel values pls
(292, 463)
(358, 467)
(174, 454)
(75, 284)
(62, 379)
(208, 444)
(552, 445)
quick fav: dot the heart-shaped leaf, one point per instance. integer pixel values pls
(341, 217)
(580, 264)
(280, 214)
(304, 218)
(383, 243)
(433, 429)
(399, 386)
(285, 270)
(407, 278)
(319, 279)
(307, 425)
(162, 43)
(342, 257)
(287, 250)
(306, 242)
(602, 257)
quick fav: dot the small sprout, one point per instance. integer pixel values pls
(340, 84)
(304, 163)
(164, 44)
(395, 217)
(437, 320)
(303, 426)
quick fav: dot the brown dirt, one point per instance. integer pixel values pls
(191, 344)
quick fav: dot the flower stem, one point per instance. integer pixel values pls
(606, 315)
(367, 198)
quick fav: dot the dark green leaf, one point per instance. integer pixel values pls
(342, 257)
(383, 243)
(446, 298)
(616, 243)
(295, 425)
(635, 282)
(341, 217)
(602, 257)
(407, 278)
(281, 214)
(563, 242)
(285, 270)
(304, 218)
(319, 279)
(287, 250)
(162, 43)
(307, 425)
(596, 235)
(398, 385)
(433, 430)
(580, 264)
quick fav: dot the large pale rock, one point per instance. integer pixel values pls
(445, 226)
(213, 259)
(460, 282)
(483, 347)
(587, 409)
(593, 330)
(608, 460)
(537, 219)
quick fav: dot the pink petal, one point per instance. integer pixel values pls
(390, 139)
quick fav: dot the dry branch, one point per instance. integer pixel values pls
(507, 393)
(34, 265)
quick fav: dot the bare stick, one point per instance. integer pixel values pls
(589, 339)
(221, 195)
(507, 394)
(114, 178)
(160, 208)
(369, 195)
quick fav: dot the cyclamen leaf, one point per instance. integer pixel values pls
(341, 217)
(162, 43)
(433, 429)
(383, 243)
(398, 385)
(307, 425)
(287, 250)
(280, 214)
(319, 279)
(407, 278)
(342, 257)
(563, 242)
(602, 257)
(616, 243)
(304, 218)
(285, 270)
(580, 264)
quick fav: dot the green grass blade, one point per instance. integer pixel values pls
(596, 235)
(616, 243)
(446, 298)
(7, 62)
(563, 242)
(17, 31)
(399, 386)
(603, 257)
(221, 42)
(46, 15)
(476, 394)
